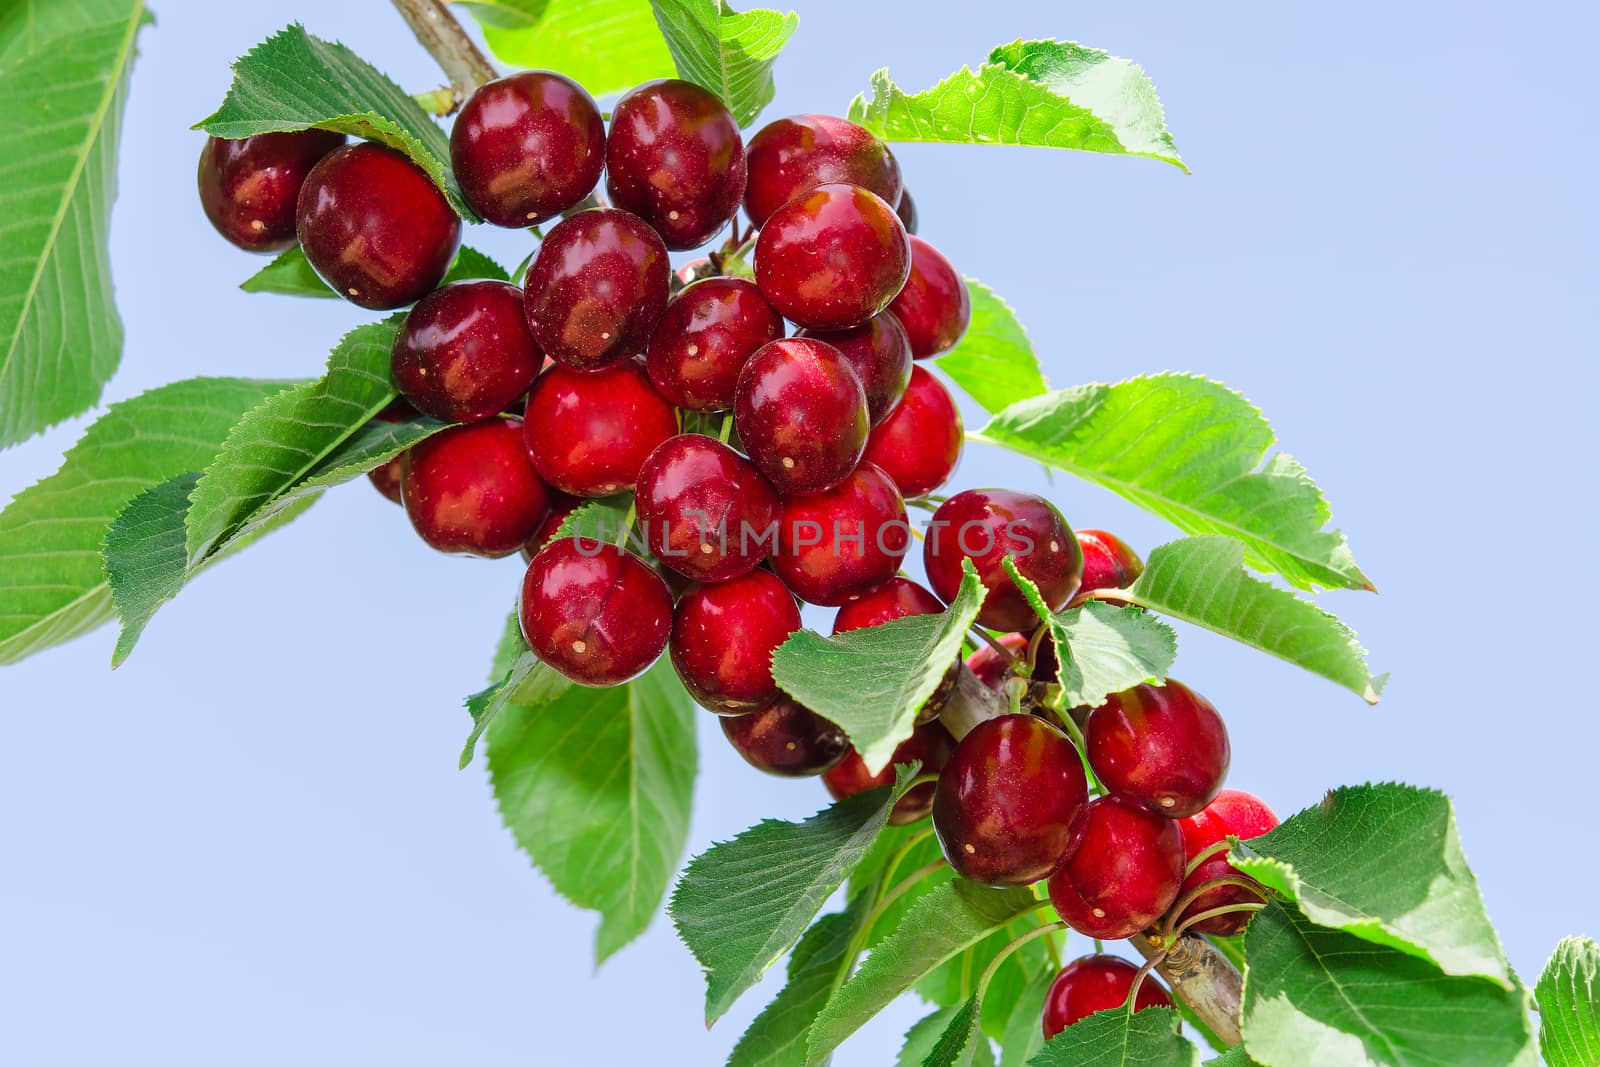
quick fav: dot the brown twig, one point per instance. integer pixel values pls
(1202, 978)
(969, 703)
(440, 33)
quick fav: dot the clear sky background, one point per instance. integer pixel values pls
(250, 844)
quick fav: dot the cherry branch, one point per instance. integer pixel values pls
(440, 33)
(1203, 979)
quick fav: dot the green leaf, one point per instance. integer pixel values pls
(1234, 1057)
(950, 1037)
(294, 81)
(994, 361)
(1023, 1036)
(1187, 449)
(1314, 995)
(777, 1037)
(953, 980)
(604, 45)
(290, 274)
(1569, 1004)
(63, 84)
(528, 681)
(872, 682)
(52, 585)
(726, 51)
(1383, 862)
(740, 905)
(1120, 1038)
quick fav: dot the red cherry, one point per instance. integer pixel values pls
(471, 489)
(249, 187)
(527, 147)
(708, 333)
(595, 613)
(723, 637)
(832, 257)
(934, 306)
(589, 433)
(1162, 746)
(843, 542)
(786, 739)
(895, 599)
(907, 210)
(597, 288)
(789, 156)
(1232, 812)
(881, 357)
(561, 506)
(1010, 803)
(931, 743)
(986, 525)
(801, 414)
(705, 510)
(1096, 983)
(919, 444)
(464, 352)
(1124, 875)
(1108, 563)
(992, 669)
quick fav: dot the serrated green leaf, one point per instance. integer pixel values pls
(528, 682)
(1233, 1057)
(604, 45)
(1569, 1004)
(63, 86)
(950, 1037)
(726, 51)
(1187, 449)
(777, 1036)
(1024, 1034)
(1120, 1038)
(290, 274)
(953, 980)
(994, 361)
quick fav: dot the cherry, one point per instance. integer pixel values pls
(386, 479)
(1162, 746)
(787, 740)
(881, 357)
(709, 331)
(470, 488)
(595, 613)
(1010, 803)
(832, 257)
(675, 159)
(375, 227)
(1096, 983)
(895, 599)
(464, 352)
(844, 542)
(919, 444)
(986, 525)
(527, 147)
(1232, 812)
(249, 187)
(562, 505)
(1124, 875)
(1108, 563)
(992, 668)
(792, 155)
(934, 306)
(706, 511)
(931, 743)
(723, 637)
(801, 414)
(907, 210)
(597, 288)
(589, 432)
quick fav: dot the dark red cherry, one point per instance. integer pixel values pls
(934, 306)
(930, 743)
(561, 506)
(723, 637)
(832, 257)
(881, 357)
(595, 613)
(1010, 803)
(907, 210)
(789, 156)
(986, 525)
(464, 352)
(1125, 873)
(1096, 983)
(249, 187)
(1108, 563)
(471, 489)
(894, 599)
(801, 414)
(787, 740)
(375, 227)
(844, 542)
(675, 159)
(919, 444)
(709, 331)
(1162, 746)
(1232, 812)
(993, 669)
(597, 288)
(386, 479)
(589, 432)
(527, 147)
(705, 510)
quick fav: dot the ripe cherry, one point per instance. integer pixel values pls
(931, 743)
(934, 306)
(527, 147)
(919, 444)
(907, 210)
(595, 613)
(723, 637)
(386, 479)
(1232, 812)
(470, 488)
(787, 740)
(375, 227)
(675, 159)
(597, 288)
(986, 525)
(789, 156)
(1108, 563)
(844, 542)
(801, 414)
(705, 510)
(881, 357)
(1010, 803)
(1096, 983)
(895, 599)
(561, 506)
(709, 331)
(1162, 746)
(589, 432)
(993, 669)
(832, 257)
(464, 352)
(1124, 875)
(249, 187)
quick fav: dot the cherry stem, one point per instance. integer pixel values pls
(627, 523)
(439, 32)
(925, 503)
(1231, 909)
(1201, 890)
(1005, 953)
(1000, 650)
(727, 428)
(1034, 642)
(1205, 854)
(1138, 980)
(882, 900)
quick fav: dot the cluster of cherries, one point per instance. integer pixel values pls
(606, 354)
